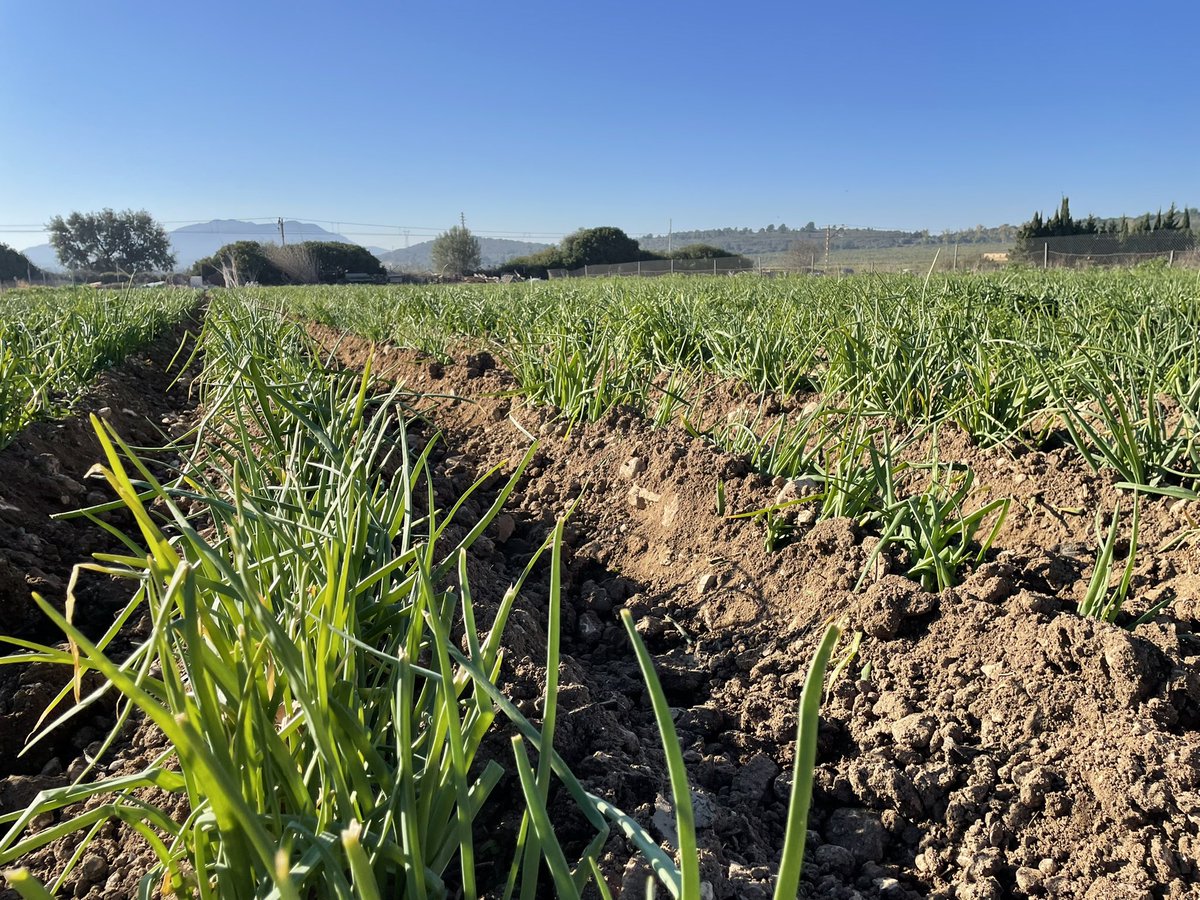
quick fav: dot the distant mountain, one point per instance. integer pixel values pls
(493, 251)
(193, 242)
(43, 257)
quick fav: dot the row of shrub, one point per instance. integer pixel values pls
(308, 262)
(597, 247)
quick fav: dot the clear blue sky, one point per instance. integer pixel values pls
(540, 117)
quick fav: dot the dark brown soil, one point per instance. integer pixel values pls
(985, 743)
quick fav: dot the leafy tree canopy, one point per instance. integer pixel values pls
(456, 252)
(604, 245)
(337, 259)
(107, 241)
(15, 265)
(325, 261)
(599, 246)
(701, 251)
(239, 263)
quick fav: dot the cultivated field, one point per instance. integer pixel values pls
(360, 556)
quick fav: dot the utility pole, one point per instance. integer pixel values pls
(462, 220)
(670, 223)
(282, 238)
(828, 233)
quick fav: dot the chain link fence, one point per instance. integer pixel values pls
(834, 264)
(721, 265)
(1175, 247)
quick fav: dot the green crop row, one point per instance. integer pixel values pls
(317, 664)
(1110, 358)
(54, 341)
(1104, 360)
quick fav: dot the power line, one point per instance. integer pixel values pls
(381, 230)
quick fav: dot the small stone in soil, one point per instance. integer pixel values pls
(93, 868)
(755, 777)
(590, 628)
(834, 858)
(858, 830)
(631, 467)
(505, 526)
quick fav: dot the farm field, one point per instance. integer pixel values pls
(358, 553)
(52, 343)
(916, 258)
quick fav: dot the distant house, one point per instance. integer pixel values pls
(995, 257)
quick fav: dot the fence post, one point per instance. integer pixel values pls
(1171, 261)
(1046, 256)
(585, 270)
(672, 265)
(639, 267)
(715, 262)
(956, 257)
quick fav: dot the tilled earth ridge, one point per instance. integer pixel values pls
(985, 743)
(45, 471)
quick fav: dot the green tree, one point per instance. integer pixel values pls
(324, 261)
(1186, 223)
(15, 265)
(107, 241)
(701, 251)
(586, 247)
(1171, 219)
(337, 259)
(239, 263)
(605, 245)
(535, 265)
(456, 252)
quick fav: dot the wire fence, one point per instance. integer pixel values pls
(838, 255)
(835, 263)
(1174, 246)
(722, 265)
